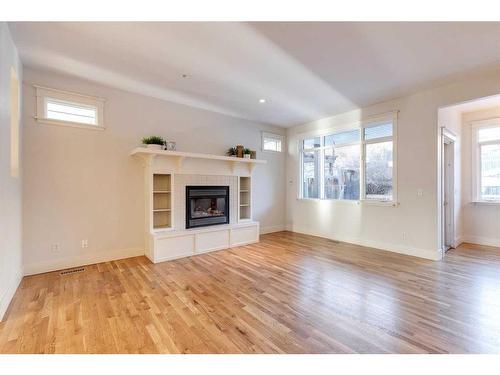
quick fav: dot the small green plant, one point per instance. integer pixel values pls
(247, 151)
(153, 140)
(231, 152)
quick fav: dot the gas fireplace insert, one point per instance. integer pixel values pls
(206, 205)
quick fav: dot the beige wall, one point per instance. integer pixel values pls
(412, 226)
(481, 221)
(10, 181)
(82, 184)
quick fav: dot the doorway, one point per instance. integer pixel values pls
(448, 189)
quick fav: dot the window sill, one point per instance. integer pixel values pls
(356, 202)
(379, 203)
(349, 201)
(272, 151)
(486, 203)
(68, 124)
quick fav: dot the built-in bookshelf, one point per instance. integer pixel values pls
(245, 198)
(162, 201)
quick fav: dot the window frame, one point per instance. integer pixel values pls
(44, 94)
(361, 125)
(476, 126)
(273, 136)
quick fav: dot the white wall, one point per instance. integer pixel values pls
(417, 217)
(82, 184)
(10, 187)
(481, 221)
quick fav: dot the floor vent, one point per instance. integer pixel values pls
(69, 272)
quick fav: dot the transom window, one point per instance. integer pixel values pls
(272, 142)
(486, 160)
(70, 112)
(58, 107)
(350, 165)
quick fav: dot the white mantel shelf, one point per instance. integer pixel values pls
(180, 156)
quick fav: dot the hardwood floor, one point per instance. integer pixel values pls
(290, 293)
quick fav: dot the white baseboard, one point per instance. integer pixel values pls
(395, 248)
(272, 229)
(458, 241)
(80, 260)
(480, 240)
(7, 295)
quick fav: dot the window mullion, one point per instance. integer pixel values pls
(362, 169)
(479, 174)
(321, 173)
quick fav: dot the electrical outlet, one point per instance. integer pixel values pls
(85, 243)
(420, 192)
(55, 248)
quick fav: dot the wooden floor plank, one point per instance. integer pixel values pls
(290, 293)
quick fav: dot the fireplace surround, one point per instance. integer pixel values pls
(167, 174)
(206, 206)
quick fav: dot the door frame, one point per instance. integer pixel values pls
(448, 143)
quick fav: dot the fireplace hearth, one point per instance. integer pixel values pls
(206, 205)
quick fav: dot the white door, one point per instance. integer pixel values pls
(448, 193)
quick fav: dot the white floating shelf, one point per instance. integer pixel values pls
(180, 156)
(161, 210)
(193, 155)
(161, 191)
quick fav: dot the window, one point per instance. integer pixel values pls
(272, 142)
(486, 160)
(63, 108)
(378, 157)
(341, 166)
(311, 168)
(350, 165)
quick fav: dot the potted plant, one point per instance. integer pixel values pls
(155, 142)
(247, 153)
(231, 151)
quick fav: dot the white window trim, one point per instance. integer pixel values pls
(361, 125)
(43, 93)
(275, 136)
(476, 158)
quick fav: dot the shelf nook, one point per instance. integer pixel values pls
(162, 201)
(245, 197)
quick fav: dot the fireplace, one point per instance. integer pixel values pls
(206, 205)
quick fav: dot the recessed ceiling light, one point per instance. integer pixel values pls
(262, 100)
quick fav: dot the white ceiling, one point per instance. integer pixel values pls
(305, 71)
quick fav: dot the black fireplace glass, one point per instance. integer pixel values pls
(206, 205)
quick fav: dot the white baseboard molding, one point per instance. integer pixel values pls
(272, 229)
(7, 294)
(395, 248)
(480, 240)
(458, 241)
(80, 260)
